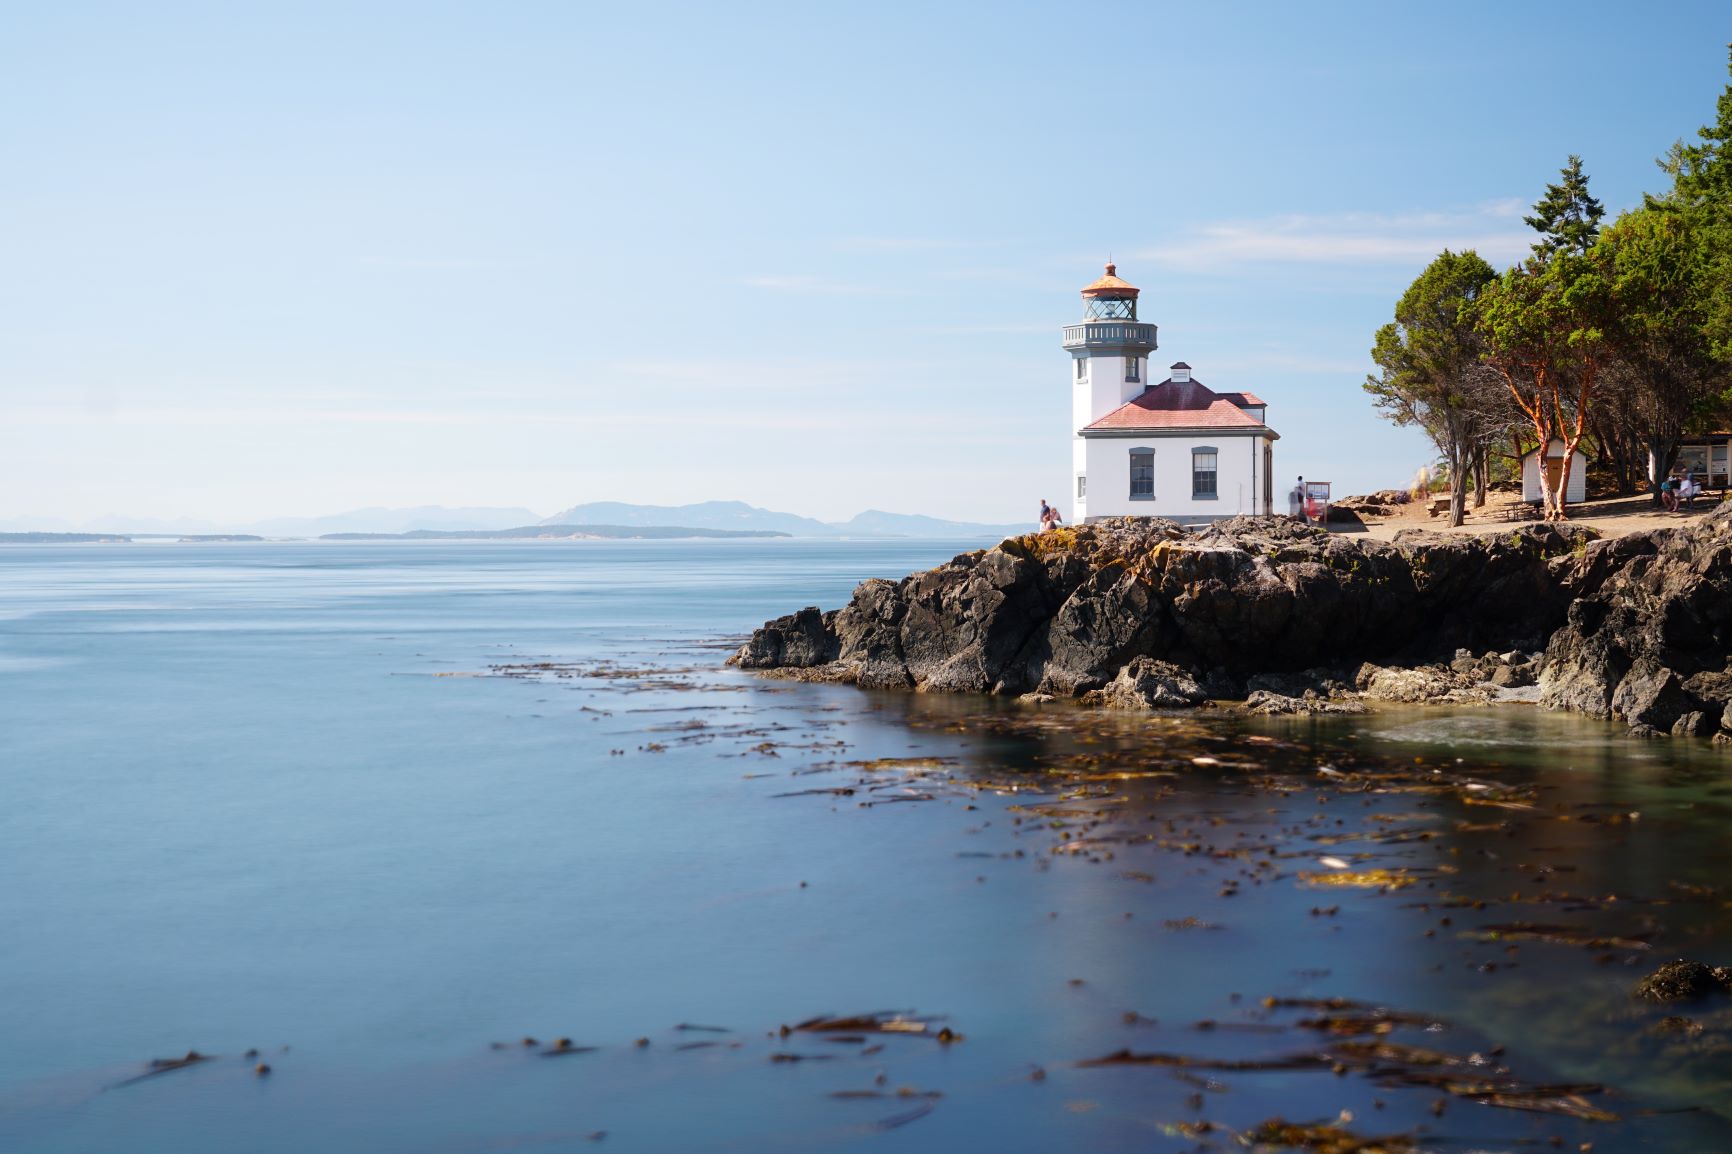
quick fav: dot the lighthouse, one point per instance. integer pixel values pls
(1175, 448)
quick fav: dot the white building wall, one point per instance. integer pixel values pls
(1104, 387)
(1238, 476)
(1574, 493)
(1100, 390)
(1079, 465)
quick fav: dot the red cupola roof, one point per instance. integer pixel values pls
(1111, 288)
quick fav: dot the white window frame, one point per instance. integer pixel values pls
(1214, 472)
(1142, 451)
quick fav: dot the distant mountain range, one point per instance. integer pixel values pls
(611, 515)
(739, 515)
(546, 532)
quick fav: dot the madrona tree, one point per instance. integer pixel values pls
(1544, 323)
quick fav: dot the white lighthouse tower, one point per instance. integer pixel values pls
(1110, 365)
(1147, 444)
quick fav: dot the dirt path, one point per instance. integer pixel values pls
(1611, 516)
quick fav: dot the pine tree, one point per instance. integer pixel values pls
(1567, 217)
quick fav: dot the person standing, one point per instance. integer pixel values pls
(1296, 502)
(1045, 515)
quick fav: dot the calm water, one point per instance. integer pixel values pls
(386, 804)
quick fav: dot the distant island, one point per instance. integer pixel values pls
(556, 533)
(596, 518)
(62, 539)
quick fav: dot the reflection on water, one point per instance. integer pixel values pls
(388, 805)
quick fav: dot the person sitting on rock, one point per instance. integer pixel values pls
(1049, 517)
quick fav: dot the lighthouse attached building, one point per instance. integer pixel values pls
(1174, 449)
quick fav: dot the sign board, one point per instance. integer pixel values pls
(1317, 500)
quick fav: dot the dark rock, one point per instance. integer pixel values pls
(1065, 612)
(1683, 981)
(1672, 1024)
(1111, 617)
(1648, 639)
(1650, 694)
(869, 631)
(1320, 682)
(800, 639)
(1424, 685)
(1713, 688)
(1513, 676)
(1149, 684)
(1694, 724)
(1266, 704)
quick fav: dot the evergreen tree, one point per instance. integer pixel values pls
(1567, 217)
(1702, 191)
(1431, 372)
(1702, 173)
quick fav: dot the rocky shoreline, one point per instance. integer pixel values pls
(1143, 614)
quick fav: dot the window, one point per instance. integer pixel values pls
(1142, 474)
(1203, 474)
(1082, 369)
(1131, 369)
(1082, 486)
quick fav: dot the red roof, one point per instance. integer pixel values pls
(1111, 287)
(1190, 405)
(1243, 398)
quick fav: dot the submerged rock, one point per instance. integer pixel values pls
(1684, 981)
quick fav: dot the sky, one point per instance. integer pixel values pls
(288, 259)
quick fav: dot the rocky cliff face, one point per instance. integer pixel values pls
(1071, 612)
(1647, 641)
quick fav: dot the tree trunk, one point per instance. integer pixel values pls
(1560, 498)
(1479, 477)
(1662, 452)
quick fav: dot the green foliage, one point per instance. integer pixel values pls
(1566, 217)
(1429, 358)
(1702, 172)
(1428, 353)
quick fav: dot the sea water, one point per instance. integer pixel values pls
(382, 811)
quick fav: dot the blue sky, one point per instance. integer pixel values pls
(287, 259)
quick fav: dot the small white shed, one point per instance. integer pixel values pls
(1554, 461)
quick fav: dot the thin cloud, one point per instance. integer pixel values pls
(806, 283)
(720, 417)
(906, 244)
(1350, 239)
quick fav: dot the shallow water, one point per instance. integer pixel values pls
(320, 796)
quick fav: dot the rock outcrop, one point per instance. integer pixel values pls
(1647, 639)
(1143, 614)
(1684, 981)
(1071, 612)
